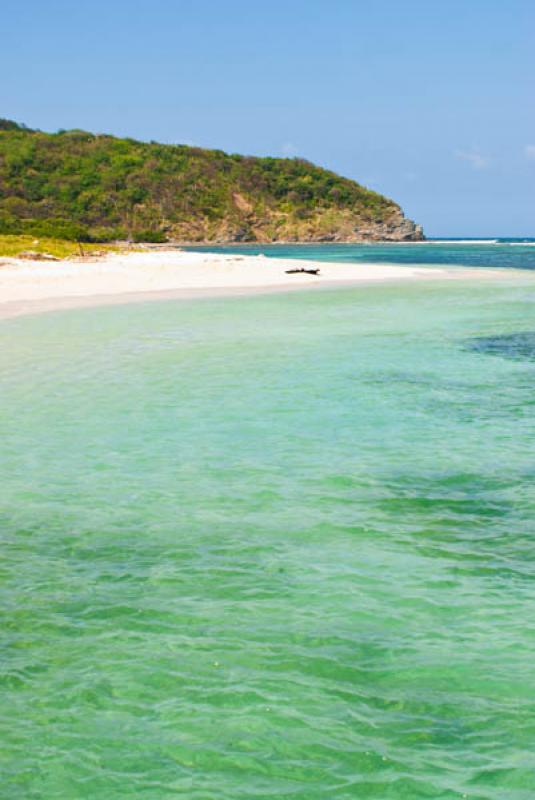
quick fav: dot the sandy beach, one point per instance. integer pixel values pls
(28, 286)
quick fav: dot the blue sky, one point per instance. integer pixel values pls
(431, 103)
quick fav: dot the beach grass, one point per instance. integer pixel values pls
(12, 246)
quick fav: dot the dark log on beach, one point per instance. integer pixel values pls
(302, 269)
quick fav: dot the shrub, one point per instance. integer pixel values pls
(153, 237)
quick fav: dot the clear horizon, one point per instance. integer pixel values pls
(432, 107)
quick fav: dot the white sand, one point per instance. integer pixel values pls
(34, 286)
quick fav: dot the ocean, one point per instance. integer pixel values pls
(495, 253)
(275, 546)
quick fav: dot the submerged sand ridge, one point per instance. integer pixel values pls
(32, 286)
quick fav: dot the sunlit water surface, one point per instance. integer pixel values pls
(501, 253)
(271, 547)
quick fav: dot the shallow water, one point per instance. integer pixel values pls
(270, 547)
(499, 253)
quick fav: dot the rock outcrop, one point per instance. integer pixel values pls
(320, 226)
(397, 229)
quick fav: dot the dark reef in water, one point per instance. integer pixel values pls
(517, 346)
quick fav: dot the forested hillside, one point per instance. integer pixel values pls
(78, 185)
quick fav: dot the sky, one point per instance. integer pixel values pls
(431, 103)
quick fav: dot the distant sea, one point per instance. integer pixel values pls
(502, 253)
(276, 546)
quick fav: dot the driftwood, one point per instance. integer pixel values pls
(303, 269)
(33, 255)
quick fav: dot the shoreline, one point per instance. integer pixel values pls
(33, 287)
(206, 245)
(312, 243)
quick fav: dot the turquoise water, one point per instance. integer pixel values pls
(502, 253)
(278, 546)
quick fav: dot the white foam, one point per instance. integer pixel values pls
(461, 241)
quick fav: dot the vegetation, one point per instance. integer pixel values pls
(74, 185)
(12, 246)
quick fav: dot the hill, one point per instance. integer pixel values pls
(78, 185)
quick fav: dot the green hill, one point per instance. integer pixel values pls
(78, 185)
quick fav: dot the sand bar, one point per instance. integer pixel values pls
(35, 286)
